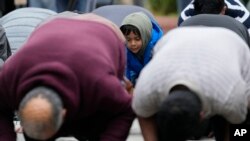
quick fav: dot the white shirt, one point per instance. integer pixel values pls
(213, 62)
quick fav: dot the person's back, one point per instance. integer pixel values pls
(116, 13)
(213, 63)
(20, 23)
(214, 20)
(85, 69)
(232, 8)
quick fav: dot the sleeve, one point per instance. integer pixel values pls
(127, 73)
(116, 102)
(146, 98)
(186, 13)
(238, 11)
(144, 104)
(235, 110)
(131, 74)
(6, 117)
(245, 69)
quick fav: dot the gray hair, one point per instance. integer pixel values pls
(36, 129)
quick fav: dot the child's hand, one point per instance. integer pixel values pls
(128, 85)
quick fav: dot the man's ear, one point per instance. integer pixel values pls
(64, 111)
(202, 116)
(223, 11)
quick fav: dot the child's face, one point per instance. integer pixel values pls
(134, 42)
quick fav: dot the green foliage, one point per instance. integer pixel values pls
(163, 7)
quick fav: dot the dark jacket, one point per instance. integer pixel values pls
(235, 9)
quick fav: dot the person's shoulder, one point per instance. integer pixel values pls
(236, 9)
(231, 3)
(186, 13)
(157, 30)
(189, 7)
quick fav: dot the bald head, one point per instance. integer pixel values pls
(41, 113)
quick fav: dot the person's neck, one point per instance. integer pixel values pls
(179, 87)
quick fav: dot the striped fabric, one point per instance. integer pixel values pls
(235, 9)
(20, 23)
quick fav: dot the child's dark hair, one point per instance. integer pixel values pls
(208, 6)
(126, 29)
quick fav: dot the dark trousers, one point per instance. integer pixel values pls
(80, 137)
(30, 139)
(236, 131)
(6, 6)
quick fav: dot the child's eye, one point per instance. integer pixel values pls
(137, 39)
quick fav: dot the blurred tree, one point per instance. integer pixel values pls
(163, 7)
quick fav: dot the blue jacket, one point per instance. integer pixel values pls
(134, 65)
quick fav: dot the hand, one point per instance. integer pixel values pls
(19, 129)
(128, 85)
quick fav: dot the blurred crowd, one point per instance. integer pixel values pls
(62, 5)
(88, 68)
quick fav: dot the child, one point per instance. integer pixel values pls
(141, 33)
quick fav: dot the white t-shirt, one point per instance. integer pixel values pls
(213, 62)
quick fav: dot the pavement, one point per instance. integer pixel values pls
(134, 135)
